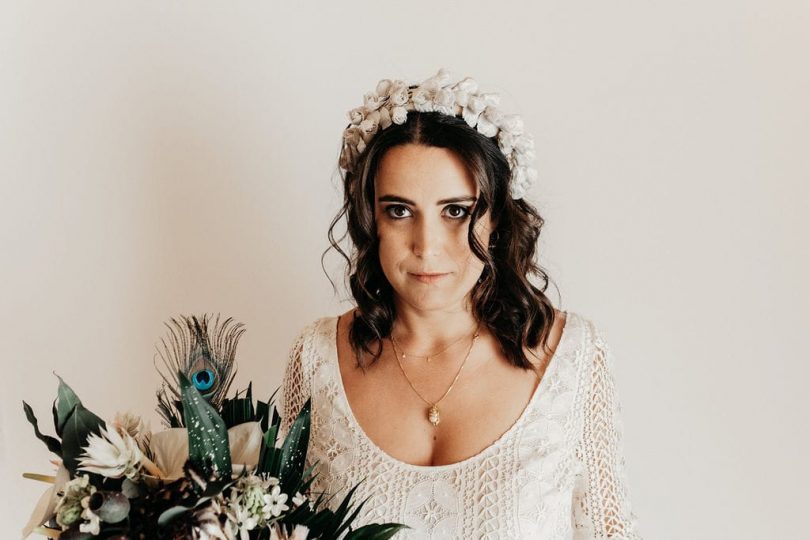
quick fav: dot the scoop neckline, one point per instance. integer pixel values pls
(552, 365)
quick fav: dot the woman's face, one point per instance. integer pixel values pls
(424, 196)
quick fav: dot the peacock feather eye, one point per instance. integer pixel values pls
(203, 380)
(206, 358)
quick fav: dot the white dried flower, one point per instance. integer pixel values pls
(206, 524)
(130, 423)
(373, 101)
(399, 94)
(444, 101)
(383, 87)
(368, 128)
(524, 143)
(506, 142)
(300, 532)
(357, 115)
(511, 123)
(399, 115)
(111, 454)
(467, 85)
(422, 100)
(385, 117)
(485, 126)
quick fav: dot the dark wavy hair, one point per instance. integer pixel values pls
(516, 311)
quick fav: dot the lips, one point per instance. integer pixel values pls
(429, 277)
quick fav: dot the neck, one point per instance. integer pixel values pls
(424, 332)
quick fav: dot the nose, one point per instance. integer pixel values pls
(427, 237)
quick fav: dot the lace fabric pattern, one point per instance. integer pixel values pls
(557, 473)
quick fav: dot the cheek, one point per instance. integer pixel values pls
(390, 245)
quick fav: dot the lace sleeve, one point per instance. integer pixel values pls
(602, 506)
(297, 382)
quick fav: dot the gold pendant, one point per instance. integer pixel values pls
(433, 416)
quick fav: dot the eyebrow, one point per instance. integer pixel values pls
(397, 198)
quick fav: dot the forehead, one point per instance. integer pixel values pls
(423, 173)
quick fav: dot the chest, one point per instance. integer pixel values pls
(391, 404)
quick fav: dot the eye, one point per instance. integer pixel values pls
(394, 211)
(454, 211)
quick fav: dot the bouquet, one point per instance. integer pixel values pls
(218, 471)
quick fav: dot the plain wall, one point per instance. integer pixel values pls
(159, 158)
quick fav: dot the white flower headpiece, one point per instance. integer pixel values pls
(391, 101)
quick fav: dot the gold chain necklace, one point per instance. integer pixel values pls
(431, 355)
(433, 412)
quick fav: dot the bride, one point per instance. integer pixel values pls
(460, 399)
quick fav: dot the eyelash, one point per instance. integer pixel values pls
(466, 210)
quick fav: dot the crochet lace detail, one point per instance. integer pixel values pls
(558, 472)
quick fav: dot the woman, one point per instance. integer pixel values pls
(465, 403)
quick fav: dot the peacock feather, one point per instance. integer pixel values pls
(206, 359)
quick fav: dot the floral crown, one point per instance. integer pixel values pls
(391, 101)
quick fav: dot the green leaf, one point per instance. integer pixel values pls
(294, 450)
(66, 400)
(269, 455)
(207, 436)
(78, 426)
(262, 414)
(52, 443)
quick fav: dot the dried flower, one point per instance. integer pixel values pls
(111, 454)
(300, 532)
(70, 507)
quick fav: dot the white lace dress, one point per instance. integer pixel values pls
(557, 473)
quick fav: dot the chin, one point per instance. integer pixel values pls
(433, 300)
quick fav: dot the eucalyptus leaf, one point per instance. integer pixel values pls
(110, 506)
(208, 446)
(168, 516)
(52, 443)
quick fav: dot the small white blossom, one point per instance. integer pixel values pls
(274, 503)
(92, 523)
(299, 499)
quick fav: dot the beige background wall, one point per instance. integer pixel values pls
(159, 158)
